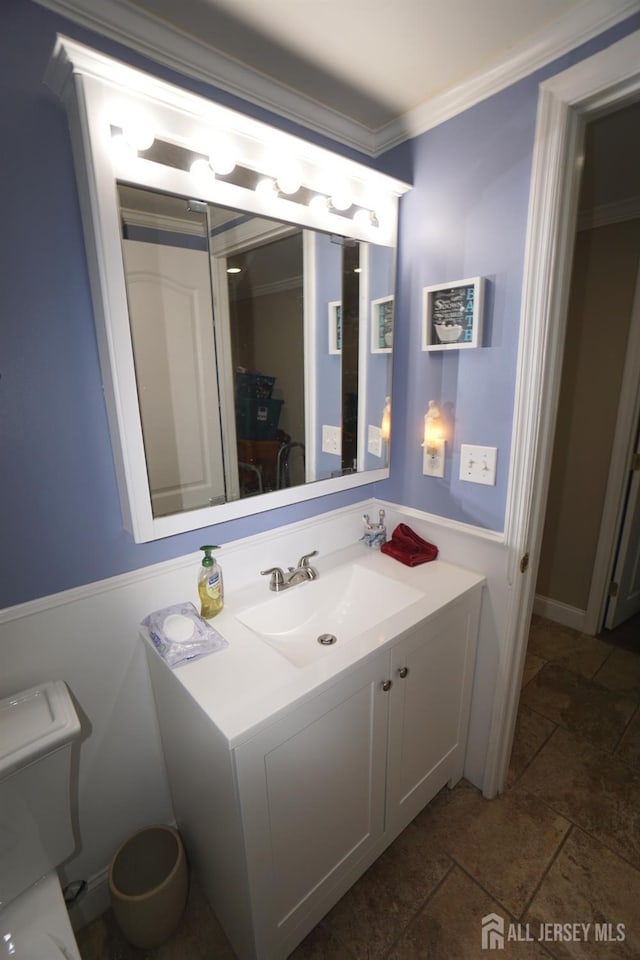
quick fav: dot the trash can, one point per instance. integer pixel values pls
(148, 885)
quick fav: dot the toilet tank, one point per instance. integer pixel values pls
(37, 728)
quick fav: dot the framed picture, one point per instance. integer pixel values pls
(382, 325)
(335, 326)
(452, 315)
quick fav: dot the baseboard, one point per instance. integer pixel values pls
(93, 900)
(559, 612)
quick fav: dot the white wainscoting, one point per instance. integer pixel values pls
(88, 637)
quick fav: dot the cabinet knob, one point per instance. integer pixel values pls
(403, 671)
(386, 685)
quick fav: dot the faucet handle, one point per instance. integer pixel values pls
(277, 577)
(304, 561)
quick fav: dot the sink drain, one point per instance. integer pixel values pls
(326, 639)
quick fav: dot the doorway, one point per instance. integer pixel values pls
(597, 420)
(591, 88)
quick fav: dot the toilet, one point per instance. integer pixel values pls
(37, 729)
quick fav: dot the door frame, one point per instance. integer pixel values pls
(595, 86)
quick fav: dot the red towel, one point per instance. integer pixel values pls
(407, 547)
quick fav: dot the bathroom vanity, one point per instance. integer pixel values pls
(291, 775)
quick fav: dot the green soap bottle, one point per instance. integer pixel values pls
(210, 585)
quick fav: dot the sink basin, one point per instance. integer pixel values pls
(341, 604)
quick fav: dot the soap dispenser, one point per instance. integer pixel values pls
(210, 585)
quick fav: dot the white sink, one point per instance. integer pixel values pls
(342, 604)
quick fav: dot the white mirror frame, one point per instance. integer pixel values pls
(97, 92)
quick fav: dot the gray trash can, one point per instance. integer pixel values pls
(148, 885)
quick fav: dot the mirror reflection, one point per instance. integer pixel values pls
(262, 350)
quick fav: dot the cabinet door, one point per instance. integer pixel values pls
(312, 793)
(432, 671)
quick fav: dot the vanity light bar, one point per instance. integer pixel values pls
(169, 154)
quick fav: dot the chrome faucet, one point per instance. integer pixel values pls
(299, 574)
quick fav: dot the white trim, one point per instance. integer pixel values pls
(627, 416)
(310, 321)
(609, 213)
(456, 526)
(559, 612)
(153, 38)
(602, 81)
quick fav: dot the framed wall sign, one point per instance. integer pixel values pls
(335, 326)
(382, 325)
(452, 315)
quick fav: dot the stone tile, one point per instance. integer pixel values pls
(377, 908)
(589, 884)
(629, 747)
(593, 789)
(621, 672)
(595, 713)
(506, 844)
(449, 927)
(532, 731)
(321, 944)
(532, 665)
(576, 651)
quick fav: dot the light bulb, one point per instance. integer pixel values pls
(138, 133)
(121, 149)
(363, 218)
(341, 197)
(202, 172)
(289, 179)
(319, 203)
(267, 188)
(222, 156)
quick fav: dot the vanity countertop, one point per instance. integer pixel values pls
(247, 684)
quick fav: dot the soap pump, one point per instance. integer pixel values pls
(210, 585)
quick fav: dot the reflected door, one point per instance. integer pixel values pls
(169, 294)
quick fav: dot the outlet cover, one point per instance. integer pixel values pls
(478, 464)
(331, 439)
(433, 458)
(374, 442)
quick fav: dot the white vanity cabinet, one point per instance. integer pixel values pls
(281, 824)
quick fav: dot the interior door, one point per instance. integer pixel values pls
(171, 317)
(626, 573)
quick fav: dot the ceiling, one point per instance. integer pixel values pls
(369, 73)
(372, 60)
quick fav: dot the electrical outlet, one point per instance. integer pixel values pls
(478, 464)
(433, 458)
(331, 440)
(374, 442)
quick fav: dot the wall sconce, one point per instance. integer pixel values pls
(434, 443)
(385, 426)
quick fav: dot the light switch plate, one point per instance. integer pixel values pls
(331, 439)
(478, 464)
(374, 441)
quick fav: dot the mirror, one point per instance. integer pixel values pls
(228, 394)
(237, 369)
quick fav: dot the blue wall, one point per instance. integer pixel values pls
(466, 216)
(59, 509)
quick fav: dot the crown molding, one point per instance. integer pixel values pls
(153, 38)
(576, 27)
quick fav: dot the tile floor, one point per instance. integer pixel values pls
(560, 846)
